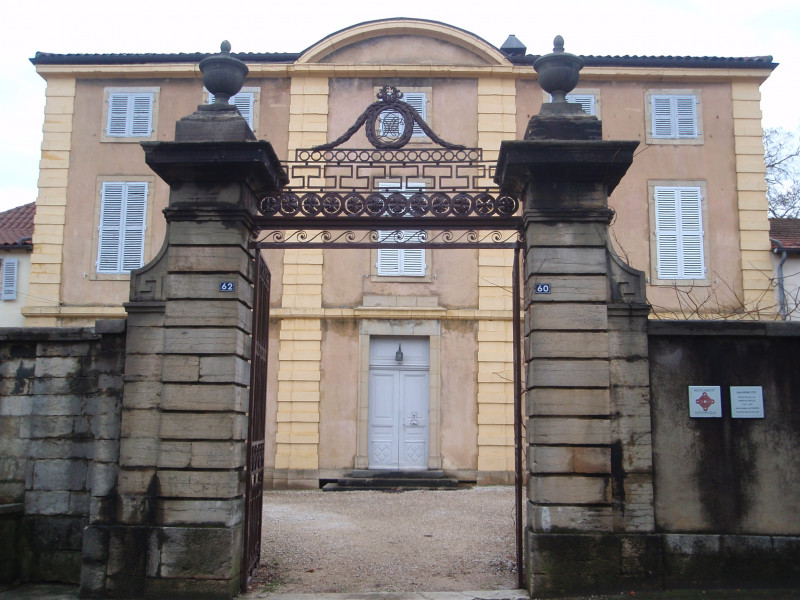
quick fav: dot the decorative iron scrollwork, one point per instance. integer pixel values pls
(394, 129)
(388, 204)
(373, 238)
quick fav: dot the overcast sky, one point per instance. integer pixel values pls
(613, 27)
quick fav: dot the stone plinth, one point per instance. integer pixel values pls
(590, 471)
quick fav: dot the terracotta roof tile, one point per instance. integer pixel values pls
(786, 231)
(16, 224)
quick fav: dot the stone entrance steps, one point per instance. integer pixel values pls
(392, 481)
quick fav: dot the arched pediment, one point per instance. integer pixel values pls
(404, 41)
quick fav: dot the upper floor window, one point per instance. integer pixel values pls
(678, 216)
(674, 117)
(406, 261)
(123, 213)
(245, 101)
(130, 114)
(9, 269)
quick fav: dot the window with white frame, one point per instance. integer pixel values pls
(401, 262)
(673, 116)
(121, 232)
(393, 125)
(9, 272)
(129, 114)
(245, 101)
(678, 216)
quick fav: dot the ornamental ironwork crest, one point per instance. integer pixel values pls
(433, 185)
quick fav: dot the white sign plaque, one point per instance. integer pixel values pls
(705, 401)
(747, 402)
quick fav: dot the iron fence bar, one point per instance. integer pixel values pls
(518, 479)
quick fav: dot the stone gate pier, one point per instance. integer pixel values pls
(590, 494)
(175, 527)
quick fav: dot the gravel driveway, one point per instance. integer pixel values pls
(365, 541)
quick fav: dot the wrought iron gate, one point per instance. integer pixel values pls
(256, 421)
(370, 198)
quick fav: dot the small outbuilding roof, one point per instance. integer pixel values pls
(16, 226)
(785, 231)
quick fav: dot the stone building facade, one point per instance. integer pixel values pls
(691, 214)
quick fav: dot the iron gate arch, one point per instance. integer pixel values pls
(334, 201)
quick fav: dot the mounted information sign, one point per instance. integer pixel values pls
(705, 401)
(542, 288)
(747, 402)
(227, 286)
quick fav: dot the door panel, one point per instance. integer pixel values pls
(413, 447)
(383, 422)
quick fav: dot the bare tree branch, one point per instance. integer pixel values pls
(782, 162)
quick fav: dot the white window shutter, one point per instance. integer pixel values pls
(389, 260)
(10, 273)
(686, 116)
(135, 214)
(666, 232)
(141, 115)
(679, 232)
(585, 100)
(691, 224)
(419, 101)
(110, 228)
(117, 114)
(123, 213)
(662, 117)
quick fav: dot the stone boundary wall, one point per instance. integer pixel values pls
(60, 397)
(726, 489)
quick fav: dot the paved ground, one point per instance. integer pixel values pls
(58, 592)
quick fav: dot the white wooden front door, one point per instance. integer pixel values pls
(398, 403)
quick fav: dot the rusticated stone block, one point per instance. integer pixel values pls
(555, 315)
(205, 397)
(209, 426)
(200, 484)
(568, 344)
(568, 373)
(214, 513)
(569, 519)
(209, 313)
(568, 489)
(194, 552)
(565, 234)
(561, 401)
(566, 260)
(207, 341)
(568, 430)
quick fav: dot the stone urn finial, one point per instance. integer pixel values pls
(558, 71)
(223, 75)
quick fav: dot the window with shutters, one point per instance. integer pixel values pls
(419, 98)
(122, 226)
(677, 220)
(247, 101)
(673, 117)
(9, 272)
(129, 114)
(406, 262)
